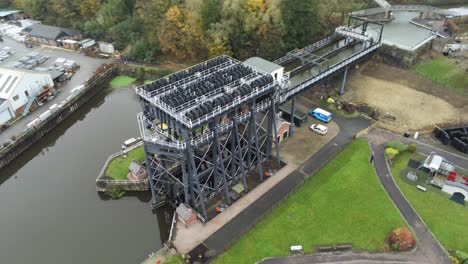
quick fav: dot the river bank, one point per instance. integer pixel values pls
(51, 211)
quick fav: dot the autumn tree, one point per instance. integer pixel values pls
(301, 23)
(89, 8)
(178, 34)
(210, 13)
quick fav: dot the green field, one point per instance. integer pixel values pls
(446, 219)
(147, 81)
(446, 73)
(118, 167)
(343, 203)
(122, 80)
(174, 260)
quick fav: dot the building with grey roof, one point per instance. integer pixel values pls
(50, 35)
(8, 13)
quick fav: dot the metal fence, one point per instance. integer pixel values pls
(102, 180)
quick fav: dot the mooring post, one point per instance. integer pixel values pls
(292, 127)
(343, 82)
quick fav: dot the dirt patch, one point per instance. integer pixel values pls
(414, 81)
(414, 109)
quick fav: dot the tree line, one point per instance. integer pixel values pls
(196, 29)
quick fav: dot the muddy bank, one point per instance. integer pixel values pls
(414, 81)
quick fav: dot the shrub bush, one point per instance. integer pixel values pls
(115, 192)
(401, 239)
(412, 148)
(396, 144)
(391, 153)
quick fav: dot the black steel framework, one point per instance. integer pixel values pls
(219, 119)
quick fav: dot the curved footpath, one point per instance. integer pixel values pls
(429, 250)
(428, 246)
(358, 257)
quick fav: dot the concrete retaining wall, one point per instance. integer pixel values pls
(395, 56)
(95, 84)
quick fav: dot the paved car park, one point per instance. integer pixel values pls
(87, 67)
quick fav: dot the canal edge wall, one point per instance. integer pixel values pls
(30, 136)
(103, 182)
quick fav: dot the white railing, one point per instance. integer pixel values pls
(235, 103)
(173, 227)
(309, 48)
(368, 12)
(377, 10)
(186, 107)
(222, 128)
(168, 89)
(304, 85)
(158, 136)
(101, 175)
(353, 33)
(183, 70)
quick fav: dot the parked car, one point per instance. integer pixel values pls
(320, 114)
(319, 129)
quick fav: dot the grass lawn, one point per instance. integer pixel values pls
(446, 73)
(343, 203)
(446, 219)
(174, 260)
(118, 167)
(122, 80)
(147, 81)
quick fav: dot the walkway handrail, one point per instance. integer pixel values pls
(109, 159)
(376, 10)
(173, 227)
(304, 85)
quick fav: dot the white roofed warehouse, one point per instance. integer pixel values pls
(18, 91)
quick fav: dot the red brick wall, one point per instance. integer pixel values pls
(283, 128)
(19, 111)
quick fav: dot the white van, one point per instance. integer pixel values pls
(319, 129)
(130, 142)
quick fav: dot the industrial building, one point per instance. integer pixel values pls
(18, 91)
(9, 14)
(222, 116)
(53, 36)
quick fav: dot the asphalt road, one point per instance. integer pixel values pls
(351, 257)
(88, 66)
(380, 136)
(428, 246)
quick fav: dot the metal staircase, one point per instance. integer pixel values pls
(31, 100)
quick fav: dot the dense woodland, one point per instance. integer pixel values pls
(196, 29)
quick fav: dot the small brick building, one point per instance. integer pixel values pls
(52, 36)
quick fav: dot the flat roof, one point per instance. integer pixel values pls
(212, 86)
(263, 65)
(6, 12)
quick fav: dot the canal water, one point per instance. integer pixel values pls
(50, 211)
(402, 32)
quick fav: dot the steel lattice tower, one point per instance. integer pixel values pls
(205, 128)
